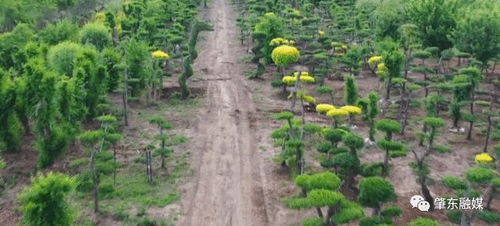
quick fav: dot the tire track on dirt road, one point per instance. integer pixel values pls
(227, 186)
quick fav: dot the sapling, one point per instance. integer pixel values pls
(474, 77)
(421, 168)
(163, 151)
(97, 142)
(389, 127)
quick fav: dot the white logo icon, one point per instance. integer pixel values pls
(415, 200)
(424, 206)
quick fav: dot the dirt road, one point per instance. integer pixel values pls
(227, 185)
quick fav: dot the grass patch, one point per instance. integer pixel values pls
(131, 196)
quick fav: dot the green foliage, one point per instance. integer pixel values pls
(324, 180)
(374, 221)
(346, 161)
(489, 217)
(52, 145)
(422, 221)
(271, 26)
(138, 61)
(454, 216)
(11, 44)
(391, 211)
(11, 129)
(388, 18)
(354, 58)
(44, 201)
(478, 32)
(394, 60)
(111, 60)
(95, 34)
(454, 183)
(333, 135)
(374, 191)
(64, 30)
(283, 116)
(62, 57)
(434, 122)
(371, 169)
(3, 164)
(353, 141)
(435, 20)
(388, 126)
(350, 211)
(312, 221)
(350, 91)
(479, 175)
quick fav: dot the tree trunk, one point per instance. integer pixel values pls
(320, 213)
(388, 89)
(491, 195)
(425, 190)
(471, 123)
(114, 165)
(490, 124)
(125, 98)
(386, 164)
(425, 86)
(95, 178)
(149, 168)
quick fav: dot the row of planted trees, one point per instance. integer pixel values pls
(55, 81)
(350, 40)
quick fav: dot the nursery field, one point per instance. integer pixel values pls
(246, 112)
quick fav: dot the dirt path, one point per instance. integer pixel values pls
(227, 185)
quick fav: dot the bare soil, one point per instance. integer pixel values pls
(235, 181)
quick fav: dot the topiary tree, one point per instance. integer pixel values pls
(474, 77)
(166, 141)
(374, 192)
(285, 55)
(197, 26)
(434, 123)
(44, 201)
(320, 191)
(97, 142)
